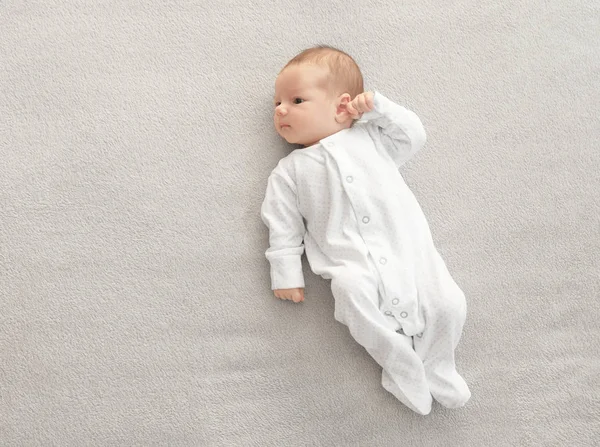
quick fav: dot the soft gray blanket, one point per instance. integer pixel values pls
(135, 143)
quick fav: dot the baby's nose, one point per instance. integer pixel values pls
(281, 111)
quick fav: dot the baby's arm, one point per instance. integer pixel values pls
(280, 214)
(400, 130)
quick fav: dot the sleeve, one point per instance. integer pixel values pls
(400, 130)
(279, 212)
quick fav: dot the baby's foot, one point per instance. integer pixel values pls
(450, 390)
(420, 398)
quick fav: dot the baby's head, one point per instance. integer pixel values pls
(311, 93)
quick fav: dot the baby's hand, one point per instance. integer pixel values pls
(362, 103)
(296, 295)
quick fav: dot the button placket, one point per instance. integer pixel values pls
(382, 260)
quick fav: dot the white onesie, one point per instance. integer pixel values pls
(345, 202)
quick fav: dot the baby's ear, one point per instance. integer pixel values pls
(345, 98)
(342, 114)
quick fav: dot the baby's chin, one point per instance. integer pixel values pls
(291, 139)
(295, 140)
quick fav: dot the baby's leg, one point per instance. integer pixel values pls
(444, 308)
(357, 306)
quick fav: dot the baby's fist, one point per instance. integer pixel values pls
(361, 104)
(296, 295)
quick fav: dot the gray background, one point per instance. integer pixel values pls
(136, 140)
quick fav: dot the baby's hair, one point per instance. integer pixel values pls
(344, 73)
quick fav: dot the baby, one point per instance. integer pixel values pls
(341, 197)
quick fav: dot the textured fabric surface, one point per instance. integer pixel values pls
(136, 140)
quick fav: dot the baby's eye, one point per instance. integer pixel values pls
(277, 103)
(298, 99)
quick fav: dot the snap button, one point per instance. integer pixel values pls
(366, 219)
(420, 335)
(382, 261)
(387, 312)
(403, 314)
(349, 179)
(395, 301)
(330, 144)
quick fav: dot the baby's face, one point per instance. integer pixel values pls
(304, 114)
